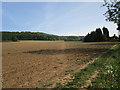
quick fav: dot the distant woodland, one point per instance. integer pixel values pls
(15, 36)
(100, 35)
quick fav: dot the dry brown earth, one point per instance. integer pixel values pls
(43, 63)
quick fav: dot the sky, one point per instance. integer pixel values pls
(59, 18)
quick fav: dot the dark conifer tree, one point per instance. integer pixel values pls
(105, 34)
(99, 35)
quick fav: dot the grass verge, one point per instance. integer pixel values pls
(108, 66)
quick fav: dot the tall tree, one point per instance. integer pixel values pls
(105, 34)
(113, 12)
(99, 35)
(94, 36)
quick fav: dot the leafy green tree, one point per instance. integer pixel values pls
(94, 36)
(105, 34)
(86, 38)
(14, 39)
(99, 35)
(113, 12)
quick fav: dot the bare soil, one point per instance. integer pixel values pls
(31, 64)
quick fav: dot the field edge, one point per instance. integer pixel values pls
(102, 73)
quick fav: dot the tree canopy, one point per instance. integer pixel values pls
(15, 36)
(105, 34)
(97, 36)
(113, 12)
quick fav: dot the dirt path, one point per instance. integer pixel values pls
(88, 82)
(68, 78)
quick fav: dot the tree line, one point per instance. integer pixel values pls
(98, 35)
(15, 36)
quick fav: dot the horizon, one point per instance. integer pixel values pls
(55, 34)
(58, 18)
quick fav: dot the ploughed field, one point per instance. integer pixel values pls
(46, 63)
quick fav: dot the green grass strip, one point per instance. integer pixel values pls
(108, 66)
